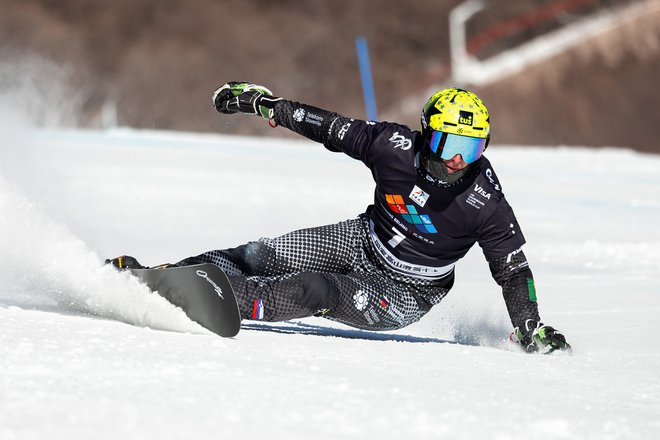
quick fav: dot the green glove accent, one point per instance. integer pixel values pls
(236, 96)
(537, 337)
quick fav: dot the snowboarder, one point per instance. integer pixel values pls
(436, 196)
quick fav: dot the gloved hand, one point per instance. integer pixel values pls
(125, 262)
(244, 97)
(537, 337)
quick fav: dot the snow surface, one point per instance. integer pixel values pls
(87, 352)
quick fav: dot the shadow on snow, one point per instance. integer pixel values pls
(300, 328)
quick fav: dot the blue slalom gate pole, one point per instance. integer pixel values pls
(365, 76)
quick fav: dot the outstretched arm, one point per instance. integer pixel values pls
(513, 274)
(314, 123)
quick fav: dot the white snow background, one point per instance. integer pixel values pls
(89, 353)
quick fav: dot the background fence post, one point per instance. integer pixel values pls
(365, 76)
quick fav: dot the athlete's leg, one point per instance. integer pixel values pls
(363, 300)
(372, 301)
(330, 248)
(284, 297)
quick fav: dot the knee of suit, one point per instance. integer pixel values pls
(318, 293)
(251, 257)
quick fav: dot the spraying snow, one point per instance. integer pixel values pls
(44, 265)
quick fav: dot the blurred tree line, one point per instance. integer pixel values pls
(155, 63)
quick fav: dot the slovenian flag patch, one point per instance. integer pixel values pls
(258, 309)
(384, 303)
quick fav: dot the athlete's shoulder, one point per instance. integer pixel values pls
(382, 137)
(399, 134)
(486, 177)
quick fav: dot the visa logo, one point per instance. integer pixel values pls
(482, 192)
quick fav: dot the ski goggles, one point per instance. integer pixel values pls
(448, 145)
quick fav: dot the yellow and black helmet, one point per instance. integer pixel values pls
(455, 121)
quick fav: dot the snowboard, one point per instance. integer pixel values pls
(203, 292)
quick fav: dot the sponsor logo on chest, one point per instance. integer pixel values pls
(482, 192)
(418, 196)
(478, 197)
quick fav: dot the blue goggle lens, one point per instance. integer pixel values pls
(449, 145)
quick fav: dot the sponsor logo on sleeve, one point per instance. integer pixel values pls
(314, 119)
(489, 175)
(299, 114)
(400, 141)
(343, 131)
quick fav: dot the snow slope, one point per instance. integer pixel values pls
(72, 366)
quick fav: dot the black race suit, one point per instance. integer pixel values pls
(387, 268)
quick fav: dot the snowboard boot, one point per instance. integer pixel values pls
(125, 262)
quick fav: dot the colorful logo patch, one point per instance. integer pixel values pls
(409, 213)
(419, 196)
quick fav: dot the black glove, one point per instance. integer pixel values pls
(235, 97)
(125, 262)
(537, 337)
